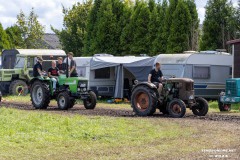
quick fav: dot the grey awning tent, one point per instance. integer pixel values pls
(138, 66)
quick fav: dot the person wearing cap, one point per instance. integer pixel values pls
(155, 76)
(73, 66)
(61, 66)
(37, 68)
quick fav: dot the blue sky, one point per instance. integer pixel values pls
(50, 11)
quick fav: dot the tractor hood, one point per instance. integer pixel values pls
(186, 80)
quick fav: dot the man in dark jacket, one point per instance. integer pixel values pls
(37, 69)
(155, 76)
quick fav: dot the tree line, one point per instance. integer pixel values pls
(126, 27)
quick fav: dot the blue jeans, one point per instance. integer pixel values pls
(54, 80)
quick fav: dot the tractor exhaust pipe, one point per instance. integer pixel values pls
(67, 71)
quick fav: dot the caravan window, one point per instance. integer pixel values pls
(201, 72)
(81, 71)
(102, 73)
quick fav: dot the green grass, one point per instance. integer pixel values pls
(34, 135)
(44, 135)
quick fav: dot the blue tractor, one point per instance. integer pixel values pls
(231, 94)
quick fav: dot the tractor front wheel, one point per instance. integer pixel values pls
(224, 107)
(18, 87)
(201, 108)
(176, 108)
(63, 100)
(144, 101)
(91, 101)
(40, 95)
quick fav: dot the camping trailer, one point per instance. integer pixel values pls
(111, 76)
(208, 70)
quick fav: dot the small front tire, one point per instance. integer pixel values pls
(91, 101)
(176, 108)
(223, 107)
(201, 108)
(63, 101)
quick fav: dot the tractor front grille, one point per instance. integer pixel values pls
(233, 87)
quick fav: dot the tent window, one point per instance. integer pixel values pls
(102, 73)
(201, 72)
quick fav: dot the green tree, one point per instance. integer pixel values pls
(178, 40)
(105, 40)
(31, 30)
(139, 23)
(91, 30)
(4, 39)
(159, 44)
(15, 35)
(217, 28)
(194, 25)
(168, 22)
(153, 25)
(127, 30)
(72, 36)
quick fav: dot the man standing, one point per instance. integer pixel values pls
(37, 69)
(155, 77)
(53, 74)
(73, 66)
(61, 66)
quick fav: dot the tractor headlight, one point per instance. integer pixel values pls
(84, 89)
(83, 85)
(79, 89)
(191, 97)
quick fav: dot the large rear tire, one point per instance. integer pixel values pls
(90, 103)
(201, 108)
(223, 107)
(40, 95)
(176, 108)
(18, 87)
(144, 101)
(63, 100)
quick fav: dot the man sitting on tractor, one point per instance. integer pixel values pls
(37, 69)
(53, 73)
(155, 77)
(73, 70)
(61, 66)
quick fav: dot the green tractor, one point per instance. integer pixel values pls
(176, 96)
(231, 94)
(17, 68)
(69, 89)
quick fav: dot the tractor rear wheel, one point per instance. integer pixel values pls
(63, 100)
(201, 108)
(223, 107)
(40, 95)
(144, 101)
(91, 101)
(176, 108)
(18, 87)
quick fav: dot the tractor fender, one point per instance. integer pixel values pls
(150, 85)
(38, 79)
